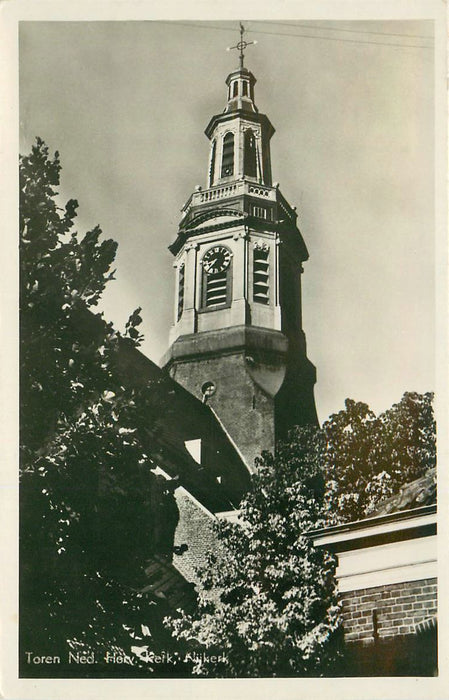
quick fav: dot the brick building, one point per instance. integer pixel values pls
(387, 582)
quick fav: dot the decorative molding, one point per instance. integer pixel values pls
(192, 246)
(246, 126)
(399, 574)
(395, 562)
(216, 227)
(261, 245)
(346, 536)
(212, 214)
(261, 190)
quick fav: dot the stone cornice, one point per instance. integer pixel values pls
(227, 340)
(256, 117)
(407, 524)
(184, 235)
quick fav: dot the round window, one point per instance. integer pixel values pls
(208, 389)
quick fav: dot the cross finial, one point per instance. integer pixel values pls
(242, 44)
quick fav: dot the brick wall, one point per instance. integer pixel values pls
(388, 611)
(194, 534)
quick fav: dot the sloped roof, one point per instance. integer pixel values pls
(412, 511)
(165, 583)
(417, 493)
(222, 478)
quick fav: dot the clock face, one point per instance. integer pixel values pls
(216, 260)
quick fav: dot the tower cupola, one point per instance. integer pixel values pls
(240, 91)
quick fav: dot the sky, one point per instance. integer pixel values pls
(126, 104)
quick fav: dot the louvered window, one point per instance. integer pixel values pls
(227, 163)
(216, 289)
(261, 275)
(181, 284)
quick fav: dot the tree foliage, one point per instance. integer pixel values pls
(87, 491)
(275, 611)
(368, 458)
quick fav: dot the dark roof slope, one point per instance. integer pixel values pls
(222, 478)
(165, 583)
(421, 492)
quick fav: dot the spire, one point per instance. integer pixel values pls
(242, 44)
(241, 81)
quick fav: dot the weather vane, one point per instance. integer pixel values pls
(241, 45)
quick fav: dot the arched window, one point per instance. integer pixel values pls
(250, 167)
(244, 88)
(212, 164)
(236, 89)
(227, 162)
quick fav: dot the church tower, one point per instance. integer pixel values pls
(237, 341)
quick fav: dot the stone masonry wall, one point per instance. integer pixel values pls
(246, 412)
(388, 611)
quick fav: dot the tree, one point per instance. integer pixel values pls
(275, 611)
(87, 492)
(368, 458)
